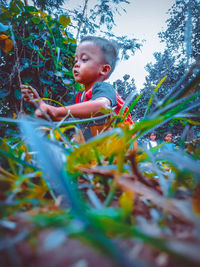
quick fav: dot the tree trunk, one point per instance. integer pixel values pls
(81, 19)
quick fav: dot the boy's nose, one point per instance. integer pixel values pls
(76, 64)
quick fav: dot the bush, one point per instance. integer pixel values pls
(37, 49)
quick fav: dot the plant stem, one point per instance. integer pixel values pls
(111, 193)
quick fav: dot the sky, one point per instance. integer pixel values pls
(143, 20)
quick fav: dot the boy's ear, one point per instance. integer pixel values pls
(105, 70)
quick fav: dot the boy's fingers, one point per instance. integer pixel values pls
(45, 109)
(29, 93)
(51, 113)
(29, 89)
(25, 92)
(38, 114)
(27, 96)
(22, 86)
(25, 87)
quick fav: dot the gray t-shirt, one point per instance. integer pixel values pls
(104, 89)
(100, 89)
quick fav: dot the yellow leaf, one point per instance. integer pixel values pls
(3, 37)
(42, 14)
(141, 157)
(63, 129)
(126, 203)
(196, 200)
(196, 205)
(64, 21)
(8, 45)
(57, 134)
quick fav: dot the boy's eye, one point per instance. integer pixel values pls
(84, 59)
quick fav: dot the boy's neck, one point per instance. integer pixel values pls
(89, 86)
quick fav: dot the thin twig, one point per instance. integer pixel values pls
(81, 19)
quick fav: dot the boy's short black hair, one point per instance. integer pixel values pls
(109, 50)
(169, 132)
(152, 133)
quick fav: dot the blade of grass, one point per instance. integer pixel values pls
(152, 96)
(131, 107)
(22, 162)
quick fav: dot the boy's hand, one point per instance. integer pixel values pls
(45, 111)
(29, 93)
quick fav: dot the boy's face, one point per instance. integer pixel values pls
(153, 136)
(168, 137)
(89, 63)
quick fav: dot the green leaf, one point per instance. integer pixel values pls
(41, 26)
(16, 6)
(3, 28)
(189, 121)
(41, 56)
(72, 41)
(36, 20)
(18, 94)
(38, 66)
(59, 74)
(30, 9)
(153, 94)
(45, 81)
(64, 21)
(27, 79)
(16, 159)
(4, 92)
(66, 81)
(131, 107)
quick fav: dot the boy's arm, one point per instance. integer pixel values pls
(80, 110)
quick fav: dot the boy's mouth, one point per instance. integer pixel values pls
(76, 73)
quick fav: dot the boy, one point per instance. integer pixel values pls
(168, 145)
(95, 60)
(152, 140)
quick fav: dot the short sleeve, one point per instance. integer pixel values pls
(103, 89)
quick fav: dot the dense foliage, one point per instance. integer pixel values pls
(98, 17)
(125, 87)
(181, 38)
(37, 48)
(49, 5)
(40, 52)
(183, 26)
